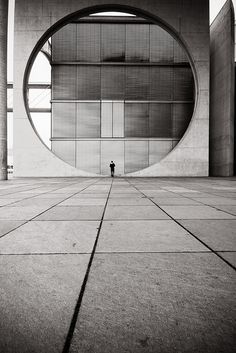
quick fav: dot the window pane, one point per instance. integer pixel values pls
(113, 82)
(88, 82)
(118, 119)
(88, 156)
(136, 120)
(88, 42)
(112, 151)
(136, 155)
(42, 124)
(137, 83)
(64, 82)
(113, 42)
(88, 120)
(137, 43)
(182, 114)
(106, 119)
(183, 84)
(161, 45)
(160, 120)
(161, 83)
(64, 44)
(63, 120)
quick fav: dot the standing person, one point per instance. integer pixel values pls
(112, 166)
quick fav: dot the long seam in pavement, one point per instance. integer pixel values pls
(193, 235)
(74, 319)
(39, 214)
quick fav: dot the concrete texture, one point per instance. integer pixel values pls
(161, 285)
(3, 88)
(222, 93)
(189, 157)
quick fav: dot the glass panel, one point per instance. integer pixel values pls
(112, 151)
(39, 98)
(182, 114)
(160, 120)
(161, 83)
(63, 119)
(137, 83)
(42, 124)
(137, 42)
(64, 44)
(113, 82)
(64, 82)
(161, 45)
(136, 155)
(180, 55)
(88, 82)
(183, 84)
(118, 119)
(113, 42)
(88, 42)
(106, 119)
(65, 150)
(88, 120)
(88, 156)
(10, 139)
(136, 119)
(158, 150)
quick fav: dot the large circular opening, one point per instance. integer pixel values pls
(118, 87)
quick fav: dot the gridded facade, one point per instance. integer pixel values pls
(122, 90)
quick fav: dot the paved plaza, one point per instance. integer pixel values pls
(113, 265)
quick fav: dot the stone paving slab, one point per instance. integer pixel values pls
(174, 201)
(229, 256)
(73, 213)
(218, 234)
(134, 212)
(196, 212)
(7, 226)
(20, 213)
(38, 295)
(216, 200)
(229, 208)
(51, 237)
(146, 236)
(157, 303)
(130, 201)
(76, 201)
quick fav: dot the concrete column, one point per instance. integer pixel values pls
(3, 88)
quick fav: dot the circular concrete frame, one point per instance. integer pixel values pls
(86, 12)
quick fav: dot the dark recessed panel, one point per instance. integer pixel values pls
(64, 82)
(64, 44)
(88, 42)
(65, 150)
(160, 120)
(137, 43)
(63, 120)
(136, 120)
(113, 42)
(137, 83)
(183, 84)
(136, 155)
(88, 120)
(161, 45)
(112, 82)
(88, 82)
(161, 83)
(182, 114)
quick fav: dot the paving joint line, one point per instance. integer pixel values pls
(193, 235)
(74, 319)
(39, 214)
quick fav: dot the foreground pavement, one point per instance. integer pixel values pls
(118, 265)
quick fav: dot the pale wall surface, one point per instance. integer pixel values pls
(188, 19)
(222, 93)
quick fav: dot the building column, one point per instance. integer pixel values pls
(3, 88)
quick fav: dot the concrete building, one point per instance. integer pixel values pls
(153, 119)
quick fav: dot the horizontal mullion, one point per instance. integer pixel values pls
(119, 101)
(114, 138)
(120, 63)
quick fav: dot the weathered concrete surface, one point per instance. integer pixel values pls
(189, 20)
(154, 285)
(222, 87)
(3, 88)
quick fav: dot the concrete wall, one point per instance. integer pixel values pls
(222, 93)
(189, 19)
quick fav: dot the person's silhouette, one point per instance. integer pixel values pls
(112, 167)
